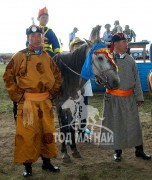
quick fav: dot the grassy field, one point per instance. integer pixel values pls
(6, 105)
(95, 163)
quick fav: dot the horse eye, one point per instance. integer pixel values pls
(100, 58)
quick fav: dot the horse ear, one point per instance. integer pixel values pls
(89, 42)
(95, 34)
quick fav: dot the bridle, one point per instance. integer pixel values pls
(103, 78)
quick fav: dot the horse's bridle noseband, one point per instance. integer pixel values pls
(103, 78)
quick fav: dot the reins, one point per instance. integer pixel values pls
(100, 72)
(69, 67)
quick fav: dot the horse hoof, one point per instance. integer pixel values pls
(66, 158)
(76, 154)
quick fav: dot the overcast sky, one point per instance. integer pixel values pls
(15, 17)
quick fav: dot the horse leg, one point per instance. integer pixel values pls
(65, 156)
(75, 152)
(63, 122)
(82, 123)
(81, 130)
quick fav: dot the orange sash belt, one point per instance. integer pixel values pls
(27, 107)
(119, 92)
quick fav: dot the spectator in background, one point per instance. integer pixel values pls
(117, 28)
(130, 34)
(52, 44)
(107, 34)
(75, 44)
(72, 34)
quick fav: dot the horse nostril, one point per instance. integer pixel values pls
(115, 84)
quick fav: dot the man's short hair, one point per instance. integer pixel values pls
(116, 22)
(107, 25)
(75, 29)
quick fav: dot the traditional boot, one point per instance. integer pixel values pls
(140, 153)
(47, 165)
(28, 169)
(117, 155)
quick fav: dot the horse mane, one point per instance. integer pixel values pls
(95, 34)
(74, 60)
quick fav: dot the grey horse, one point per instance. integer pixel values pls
(71, 65)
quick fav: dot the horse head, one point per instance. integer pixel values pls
(102, 64)
(105, 69)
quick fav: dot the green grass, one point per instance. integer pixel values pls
(147, 105)
(96, 100)
(5, 102)
(3, 92)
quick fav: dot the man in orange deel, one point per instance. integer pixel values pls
(32, 79)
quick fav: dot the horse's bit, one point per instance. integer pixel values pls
(103, 78)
